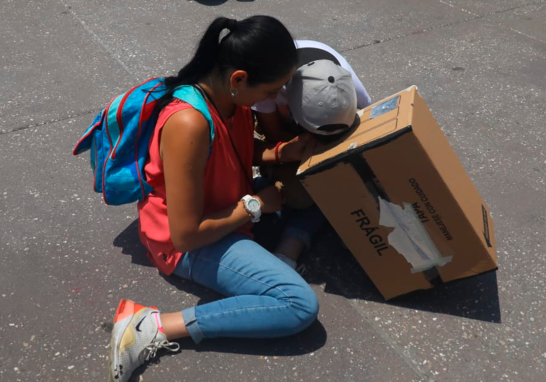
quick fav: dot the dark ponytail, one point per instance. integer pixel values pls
(259, 45)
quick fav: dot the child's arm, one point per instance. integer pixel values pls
(285, 152)
(272, 127)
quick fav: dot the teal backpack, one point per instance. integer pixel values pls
(119, 138)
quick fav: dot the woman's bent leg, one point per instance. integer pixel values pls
(266, 298)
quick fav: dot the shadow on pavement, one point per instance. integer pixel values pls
(331, 264)
(130, 244)
(308, 341)
(212, 3)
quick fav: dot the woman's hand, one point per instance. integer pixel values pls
(293, 151)
(271, 199)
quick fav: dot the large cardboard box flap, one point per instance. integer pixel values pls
(398, 196)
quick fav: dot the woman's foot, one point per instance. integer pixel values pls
(136, 338)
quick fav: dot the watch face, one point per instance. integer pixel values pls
(253, 205)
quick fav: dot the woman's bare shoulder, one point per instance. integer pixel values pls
(184, 129)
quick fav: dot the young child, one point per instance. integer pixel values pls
(197, 222)
(273, 114)
(322, 99)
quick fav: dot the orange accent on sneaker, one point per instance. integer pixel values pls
(124, 310)
(137, 307)
(127, 308)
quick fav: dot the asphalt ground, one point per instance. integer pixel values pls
(66, 259)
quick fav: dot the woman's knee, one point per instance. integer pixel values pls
(304, 307)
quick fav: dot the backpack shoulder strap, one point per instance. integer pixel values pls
(193, 96)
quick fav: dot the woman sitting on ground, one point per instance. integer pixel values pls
(197, 223)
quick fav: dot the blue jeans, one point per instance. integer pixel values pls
(265, 297)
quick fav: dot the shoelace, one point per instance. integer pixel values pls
(165, 344)
(302, 269)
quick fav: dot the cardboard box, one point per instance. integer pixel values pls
(398, 196)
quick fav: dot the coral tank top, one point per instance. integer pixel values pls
(226, 180)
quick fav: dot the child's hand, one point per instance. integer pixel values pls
(293, 151)
(271, 200)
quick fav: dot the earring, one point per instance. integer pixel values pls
(234, 92)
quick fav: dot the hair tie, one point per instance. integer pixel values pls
(232, 24)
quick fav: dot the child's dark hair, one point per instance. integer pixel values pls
(259, 45)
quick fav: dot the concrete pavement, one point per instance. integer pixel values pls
(66, 259)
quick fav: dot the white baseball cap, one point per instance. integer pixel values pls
(322, 98)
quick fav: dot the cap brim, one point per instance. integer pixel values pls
(339, 131)
(356, 122)
(307, 55)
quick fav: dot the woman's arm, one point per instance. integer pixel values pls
(184, 149)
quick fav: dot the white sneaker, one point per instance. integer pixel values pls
(135, 339)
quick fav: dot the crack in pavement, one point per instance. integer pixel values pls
(96, 38)
(20, 128)
(475, 16)
(110, 53)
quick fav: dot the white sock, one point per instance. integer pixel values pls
(158, 321)
(291, 263)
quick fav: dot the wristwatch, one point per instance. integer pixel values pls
(253, 207)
